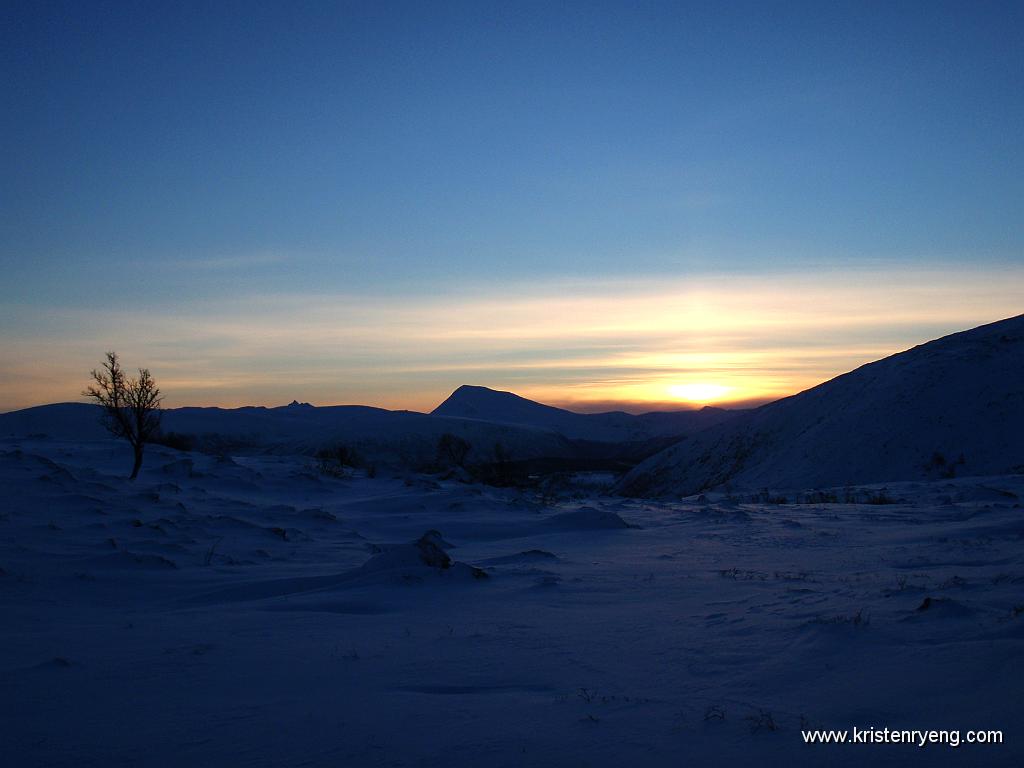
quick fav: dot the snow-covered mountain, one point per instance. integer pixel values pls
(481, 403)
(524, 429)
(954, 406)
(392, 437)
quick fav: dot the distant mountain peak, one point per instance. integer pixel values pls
(471, 401)
(476, 390)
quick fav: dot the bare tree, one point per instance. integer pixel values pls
(131, 406)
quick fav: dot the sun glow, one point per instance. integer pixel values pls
(698, 392)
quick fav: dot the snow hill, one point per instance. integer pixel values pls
(481, 403)
(954, 406)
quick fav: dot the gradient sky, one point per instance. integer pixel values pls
(586, 203)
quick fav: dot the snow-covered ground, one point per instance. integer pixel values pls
(248, 611)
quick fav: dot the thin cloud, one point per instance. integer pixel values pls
(581, 341)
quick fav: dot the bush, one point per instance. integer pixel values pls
(333, 461)
(452, 450)
(767, 497)
(176, 440)
(943, 467)
(821, 497)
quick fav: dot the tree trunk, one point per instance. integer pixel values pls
(138, 461)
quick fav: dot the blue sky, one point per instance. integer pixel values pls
(166, 162)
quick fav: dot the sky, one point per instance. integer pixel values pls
(592, 204)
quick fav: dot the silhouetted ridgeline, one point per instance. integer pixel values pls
(404, 439)
(481, 403)
(951, 407)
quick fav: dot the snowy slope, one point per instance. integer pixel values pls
(951, 406)
(69, 421)
(470, 402)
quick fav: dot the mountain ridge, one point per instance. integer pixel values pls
(476, 402)
(400, 438)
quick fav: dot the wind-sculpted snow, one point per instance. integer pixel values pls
(952, 407)
(248, 611)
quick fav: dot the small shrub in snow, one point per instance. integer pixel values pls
(452, 451)
(762, 721)
(177, 441)
(821, 497)
(767, 497)
(881, 497)
(335, 461)
(944, 468)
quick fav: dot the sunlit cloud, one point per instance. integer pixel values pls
(685, 342)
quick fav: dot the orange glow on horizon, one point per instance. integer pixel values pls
(725, 340)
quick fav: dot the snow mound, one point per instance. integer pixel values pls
(427, 551)
(179, 469)
(527, 557)
(419, 558)
(943, 608)
(587, 519)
